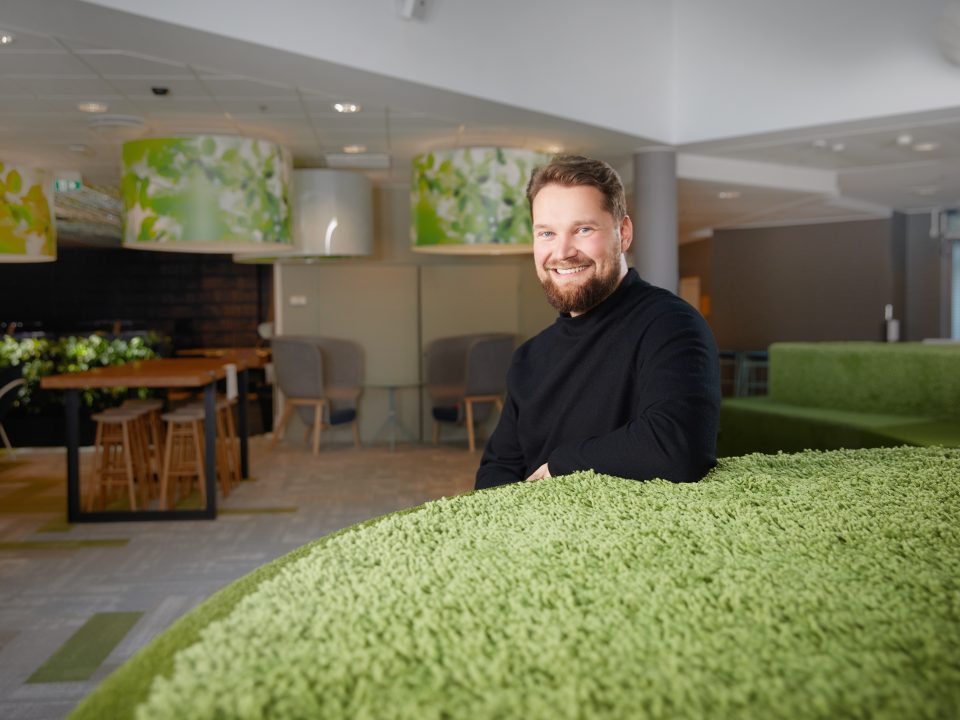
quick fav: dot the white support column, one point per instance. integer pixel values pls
(655, 251)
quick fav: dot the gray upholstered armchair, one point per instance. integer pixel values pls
(466, 377)
(322, 378)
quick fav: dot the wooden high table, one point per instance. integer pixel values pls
(159, 373)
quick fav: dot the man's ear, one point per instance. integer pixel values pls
(626, 233)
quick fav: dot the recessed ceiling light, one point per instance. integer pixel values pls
(92, 107)
(926, 146)
(926, 190)
(354, 149)
(728, 194)
(819, 143)
(347, 107)
(554, 149)
(838, 147)
(7, 38)
(81, 149)
(904, 139)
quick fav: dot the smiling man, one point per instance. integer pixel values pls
(626, 381)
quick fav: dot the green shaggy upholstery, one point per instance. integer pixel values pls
(816, 585)
(848, 395)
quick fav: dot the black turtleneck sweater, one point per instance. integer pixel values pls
(630, 388)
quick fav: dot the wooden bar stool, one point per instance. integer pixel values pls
(121, 455)
(183, 454)
(228, 443)
(154, 428)
(231, 440)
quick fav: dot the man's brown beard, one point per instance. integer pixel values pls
(582, 297)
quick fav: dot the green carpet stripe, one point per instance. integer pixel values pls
(58, 525)
(62, 544)
(256, 511)
(80, 656)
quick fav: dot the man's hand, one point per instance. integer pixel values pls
(540, 473)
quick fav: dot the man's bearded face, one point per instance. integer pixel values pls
(577, 247)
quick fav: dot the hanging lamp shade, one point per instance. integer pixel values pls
(207, 194)
(332, 218)
(27, 226)
(472, 200)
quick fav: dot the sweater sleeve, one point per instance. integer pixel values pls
(502, 461)
(673, 433)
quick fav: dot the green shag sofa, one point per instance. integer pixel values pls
(827, 396)
(816, 585)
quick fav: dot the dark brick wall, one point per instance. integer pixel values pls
(199, 300)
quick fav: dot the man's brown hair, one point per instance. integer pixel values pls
(573, 170)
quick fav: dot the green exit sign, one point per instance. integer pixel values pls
(66, 184)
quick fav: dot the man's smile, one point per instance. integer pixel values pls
(571, 270)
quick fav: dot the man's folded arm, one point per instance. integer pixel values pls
(502, 461)
(673, 434)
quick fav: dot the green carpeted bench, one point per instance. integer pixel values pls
(848, 395)
(817, 585)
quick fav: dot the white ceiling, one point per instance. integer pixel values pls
(44, 75)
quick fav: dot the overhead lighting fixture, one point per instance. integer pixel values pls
(27, 225)
(347, 107)
(819, 144)
(926, 146)
(7, 38)
(354, 149)
(554, 149)
(81, 149)
(472, 201)
(728, 194)
(904, 139)
(838, 147)
(332, 218)
(92, 107)
(926, 190)
(206, 194)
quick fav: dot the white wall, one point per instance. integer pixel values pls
(749, 66)
(605, 62)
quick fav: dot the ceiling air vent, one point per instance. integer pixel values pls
(117, 127)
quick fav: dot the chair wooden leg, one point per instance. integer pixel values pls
(201, 465)
(317, 424)
(436, 432)
(128, 460)
(356, 434)
(165, 474)
(278, 429)
(470, 438)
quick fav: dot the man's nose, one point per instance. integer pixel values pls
(565, 246)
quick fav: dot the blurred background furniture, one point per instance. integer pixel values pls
(466, 376)
(10, 381)
(322, 379)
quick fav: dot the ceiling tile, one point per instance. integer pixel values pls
(175, 105)
(275, 106)
(32, 63)
(183, 87)
(115, 62)
(28, 41)
(116, 104)
(235, 87)
(69, 86)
